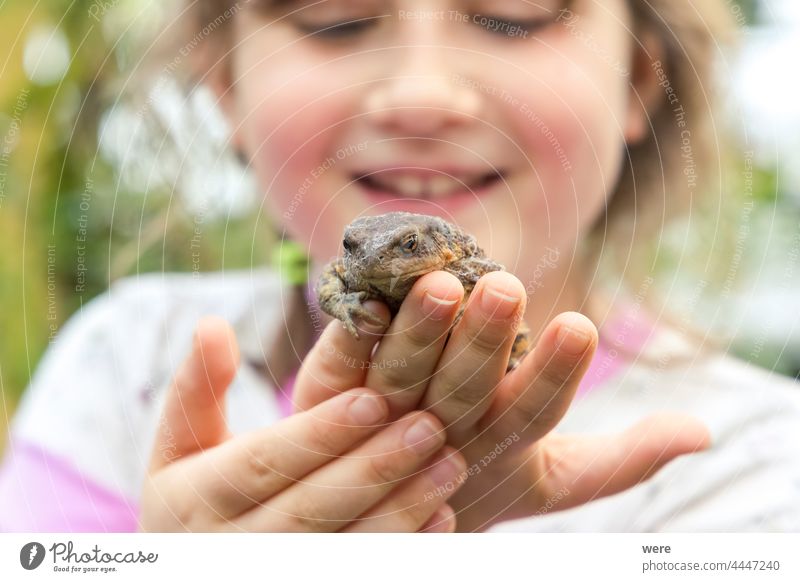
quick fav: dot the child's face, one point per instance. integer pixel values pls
(438, 88)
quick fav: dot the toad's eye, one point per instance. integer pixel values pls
(409, 244)
(348, 245)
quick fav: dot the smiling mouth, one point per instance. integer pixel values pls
(433, 187)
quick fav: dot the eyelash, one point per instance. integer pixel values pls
(526, 25)
(338, 30)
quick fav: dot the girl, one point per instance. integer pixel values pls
(546, 129)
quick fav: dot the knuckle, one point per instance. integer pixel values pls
(484, 337)
(394, 375)
(421, 337)
(322, 437)
(541, 408)
(261, 467)
(395, 379)
(385, 469)
(309, 516)
(554, 376)
(465, 395)
(534, 413)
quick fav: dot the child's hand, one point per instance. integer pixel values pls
(501, 423)
(328, 469)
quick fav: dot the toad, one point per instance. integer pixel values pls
(385, 255)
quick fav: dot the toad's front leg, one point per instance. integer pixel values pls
(470, 269)
(335, 300)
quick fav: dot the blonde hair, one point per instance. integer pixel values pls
(624, 244)
(672, 173)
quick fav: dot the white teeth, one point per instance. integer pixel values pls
(434, 187)
(408, 185)
(442, 185)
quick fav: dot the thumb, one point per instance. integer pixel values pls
(193, 417)
(593, 467)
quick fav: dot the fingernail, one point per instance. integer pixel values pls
(445, 471)
(497, 304)
(367, 326)
(422, 436)
(436, 308)
(365, 409)
(572, 341)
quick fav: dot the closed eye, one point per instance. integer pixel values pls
(341, 29)
(511, 28)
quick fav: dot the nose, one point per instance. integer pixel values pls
(349, 243)
(422, 96)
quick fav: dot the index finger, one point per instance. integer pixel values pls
(337, 362)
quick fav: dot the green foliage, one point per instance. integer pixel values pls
(69, 225)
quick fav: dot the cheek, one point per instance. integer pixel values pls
(570, 128)
(291, 125)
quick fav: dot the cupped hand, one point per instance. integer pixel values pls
(501, 423)
(334, 467)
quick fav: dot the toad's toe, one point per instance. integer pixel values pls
(351, 327)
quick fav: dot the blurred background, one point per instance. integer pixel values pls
(88, 196)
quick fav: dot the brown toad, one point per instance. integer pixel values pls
(385, 255)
